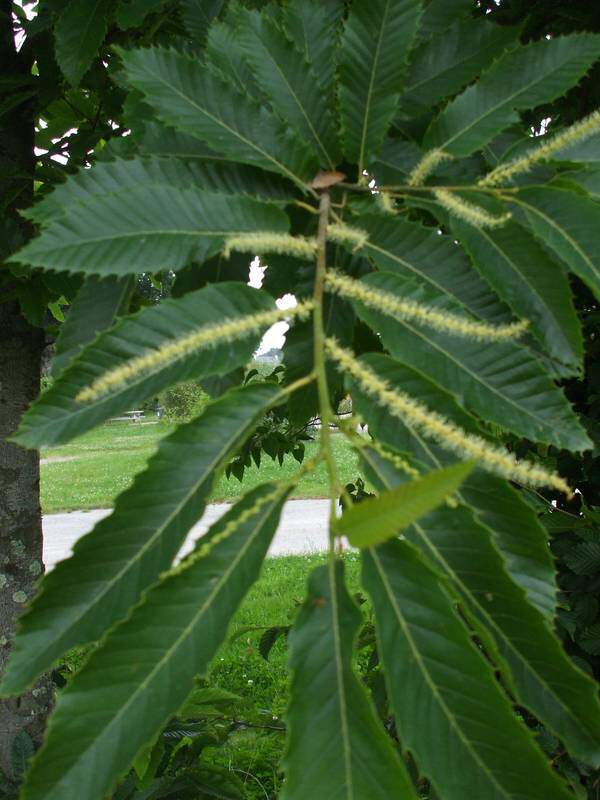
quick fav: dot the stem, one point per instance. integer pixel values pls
(320, 363)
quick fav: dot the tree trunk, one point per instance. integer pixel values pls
(20, 519)
(20, 356)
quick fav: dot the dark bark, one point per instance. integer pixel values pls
(20, 354)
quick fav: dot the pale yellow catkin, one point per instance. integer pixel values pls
(203, 337)
(445, 433)
(260, 242)
(426, 165)
(469, 212)
(345, 234)
(575, 133)
(423, 314)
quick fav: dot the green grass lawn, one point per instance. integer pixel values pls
(100, 464)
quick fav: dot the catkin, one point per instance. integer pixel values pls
(448, 435)
(421, 313)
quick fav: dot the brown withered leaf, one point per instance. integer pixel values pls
(323, 180)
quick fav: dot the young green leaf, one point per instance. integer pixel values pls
(373, 61)
(201, 104)
(127, 551)
(58, 417)
(377, 519)
(449, 707)
(567, 223)
(94, 309)
(145, 667)
(347, 755)
(526, 76)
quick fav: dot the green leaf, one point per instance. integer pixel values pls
(131, 13)
(126, 552)
(347, 754)
(525, 77)
(588, 178)
(111, 178)
(395, 162)
(414, 251)
(144, 228)
(587, 151)
(451, 60)
(57, 417)
(145, 667)
(187, 96)
(79, 32)
(518, 534)
(377, 519)
(584, 558)
(566, 223)
(198, 15)
(499, 381)
(314, 26)
(530, 282)
(94, 309)
(438, 16)
(542, 676)
(373, 56)
(226, 55)
(290, 83)
(449, 708)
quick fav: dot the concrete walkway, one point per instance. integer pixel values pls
(302, 529)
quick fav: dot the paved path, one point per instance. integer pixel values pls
(302, 529)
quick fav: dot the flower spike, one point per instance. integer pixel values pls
(448, 435)
(271, 242)
(206, 336)
(575, 133)
(426, 166)
(471, 213)
(423, 314)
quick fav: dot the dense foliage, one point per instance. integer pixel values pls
(374, 157)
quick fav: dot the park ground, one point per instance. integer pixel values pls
(91, 471)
